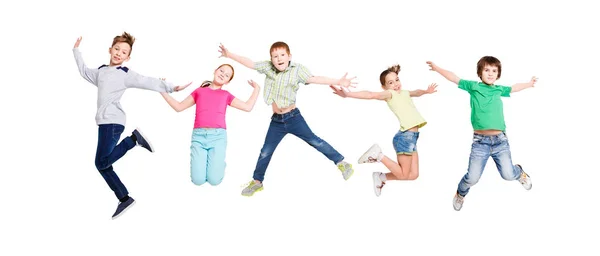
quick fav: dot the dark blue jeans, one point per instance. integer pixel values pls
(109, 152)
(291, 122)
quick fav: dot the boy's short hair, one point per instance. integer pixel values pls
(278, 45)
(125, 37)
(491, 61)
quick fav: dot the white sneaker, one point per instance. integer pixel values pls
(377, 183)
(525, 180)
(371, 156)
(458, 201)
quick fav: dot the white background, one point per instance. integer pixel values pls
(54, 202)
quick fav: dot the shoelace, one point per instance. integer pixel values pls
(247, 184)
(523, 178)
(459, 199)
(343, 167)
(372, 159)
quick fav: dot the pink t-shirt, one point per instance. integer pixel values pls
(211, 106)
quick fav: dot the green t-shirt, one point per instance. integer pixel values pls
(486, 106)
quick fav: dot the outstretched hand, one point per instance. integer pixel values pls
(224, 52)
(431, 88)
(253, 84)
(339, 91)
(77, 42)
(533, 81)
(432, 66)
(346, 82)
(179, 87)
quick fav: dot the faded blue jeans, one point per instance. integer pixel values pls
(482, 148)
(290, 122)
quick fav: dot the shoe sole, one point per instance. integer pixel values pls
(249, 195)
(531, 183)
(349, 176)
(365, 157)
(132, 204)
(145, 139)
(374, 185)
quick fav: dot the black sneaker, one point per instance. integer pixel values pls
(123, 206)
(142, 141)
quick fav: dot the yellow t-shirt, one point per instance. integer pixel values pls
(403, 107)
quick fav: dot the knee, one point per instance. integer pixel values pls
(471, 179)
(265, 152)
(198, 176)
(215, 175)
(100, 164)
(316, 142)
(215, 182)
(413, 176)
(508, 174)
(198, 181)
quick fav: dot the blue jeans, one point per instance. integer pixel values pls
(291, 122)
(208, 155)
(483, 147)
(108, 152)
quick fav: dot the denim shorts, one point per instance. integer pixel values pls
(406, 142)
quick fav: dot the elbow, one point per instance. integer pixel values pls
(177, 109)
(249, 106)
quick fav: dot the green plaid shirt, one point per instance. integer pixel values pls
(281, 87)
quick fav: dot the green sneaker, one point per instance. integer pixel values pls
(346, 169)
(253, 187)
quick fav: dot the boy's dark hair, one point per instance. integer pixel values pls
(278, 45)
(125, 37)
(395, 69)
(491, 61)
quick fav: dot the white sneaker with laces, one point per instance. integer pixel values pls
(458, 201)
(524, 179)
(373, 155)
(377, 183)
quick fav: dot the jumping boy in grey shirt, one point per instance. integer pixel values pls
(112, 80)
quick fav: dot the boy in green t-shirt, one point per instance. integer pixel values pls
(487, 119)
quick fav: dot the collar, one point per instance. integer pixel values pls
(125, 69)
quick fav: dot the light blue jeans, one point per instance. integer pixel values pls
(208, 155)
(482, 148)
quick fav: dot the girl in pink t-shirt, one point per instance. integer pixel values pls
(209, 138)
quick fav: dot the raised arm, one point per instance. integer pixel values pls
(91, 75)
(240, 59)
(364, 95)
(445, 73)
(345, 82)
(430, 89)
(249, 104)
(176, 105)
(521, 86)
